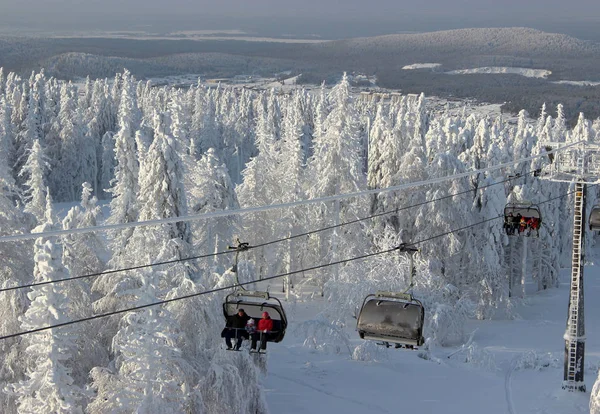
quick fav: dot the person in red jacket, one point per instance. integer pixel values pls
(265, 326)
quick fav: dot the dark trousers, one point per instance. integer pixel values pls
(239, 334)
(256, 336)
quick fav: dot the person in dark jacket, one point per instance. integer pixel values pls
(265, 326)
(516, 221)
(508, 224)
(236, 328)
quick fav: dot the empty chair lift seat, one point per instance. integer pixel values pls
(392, 318)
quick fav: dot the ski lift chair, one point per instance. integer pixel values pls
(392, 318)
(526, 210)
(595, 218)
(254, 304)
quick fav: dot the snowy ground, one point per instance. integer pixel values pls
(515, 366)
(422, 66)
(529, 73)
(578, 83)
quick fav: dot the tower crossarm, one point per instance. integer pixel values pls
(575, 162)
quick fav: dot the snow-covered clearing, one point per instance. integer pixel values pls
(422, 66)
(284, 82)
(529, 73)
(513, 366)
(578, 83)
(176, 80)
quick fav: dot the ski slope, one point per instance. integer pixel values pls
(511, 366)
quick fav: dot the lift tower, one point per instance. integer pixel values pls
(578, 164)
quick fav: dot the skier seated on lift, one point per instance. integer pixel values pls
(533, 223)
(250, 327)
(522, 223)
(508, 224)
(236, 328)
(516, 221)
(265, 325)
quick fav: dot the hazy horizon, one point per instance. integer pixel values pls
(325, 18)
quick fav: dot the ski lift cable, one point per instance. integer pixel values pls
(501, 216)
(237, 285)
(112, 271)
(257, 209)
(192, 295)
(396, 210)
(247, 247)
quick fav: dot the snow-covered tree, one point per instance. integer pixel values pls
(2, 81)
(336, 163)
(78, 159)
(107, 164)
(259, 180)
(34, 169)
(33, 118)
(595, 398)
(376, 140)
(161, 195)
(49, 386)
(7, 150)
(211, 190)
(559, 129)
(124, 190)
(149, 374)
(336, 167)
(445, 215)
(493, 290)
(16, 268)
(260, 186)
(208, 137)
(524, 142)
(84, 253)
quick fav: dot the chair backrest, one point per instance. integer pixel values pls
(594, 219)
(392, 318)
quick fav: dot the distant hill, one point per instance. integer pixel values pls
(516, 41)
(567, 58)
(385, 56)
(457, 49)
(76, 65)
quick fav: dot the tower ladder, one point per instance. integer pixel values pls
(574, 335)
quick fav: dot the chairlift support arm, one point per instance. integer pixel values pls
(409, 248)
(241, 247)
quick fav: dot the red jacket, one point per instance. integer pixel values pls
(265, 324)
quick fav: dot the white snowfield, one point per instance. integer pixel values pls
(578, 83)
(422, 66)
(529, 73)
(510, 366)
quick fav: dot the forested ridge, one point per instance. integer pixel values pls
(154, 153)
(568, 58)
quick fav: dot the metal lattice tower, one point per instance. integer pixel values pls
(579, 164)
(575, 334)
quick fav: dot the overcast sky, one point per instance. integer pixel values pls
(364, 16)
